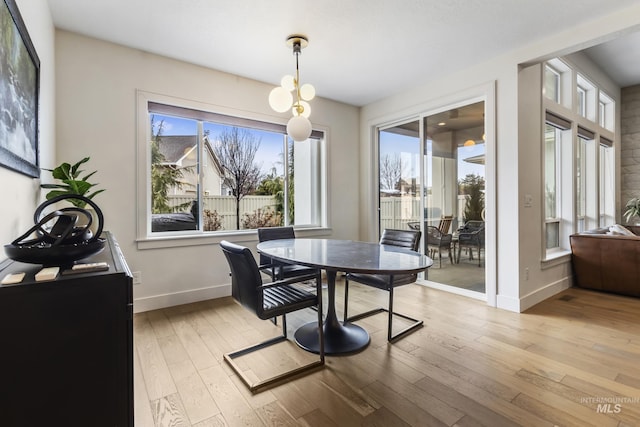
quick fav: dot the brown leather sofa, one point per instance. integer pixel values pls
(609, 263)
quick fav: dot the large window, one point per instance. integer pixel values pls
(578, 173)
(210, 172)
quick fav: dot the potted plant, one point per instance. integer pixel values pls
(72, 183)
(632, 209)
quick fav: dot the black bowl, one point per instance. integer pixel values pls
(59, 255)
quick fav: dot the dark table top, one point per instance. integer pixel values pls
(346, 255)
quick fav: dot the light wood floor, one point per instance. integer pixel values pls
(560, 363)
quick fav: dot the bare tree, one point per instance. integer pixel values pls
(390, 172)
(236, 151)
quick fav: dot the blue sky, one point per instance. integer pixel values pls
(269, 154)
(409, 146)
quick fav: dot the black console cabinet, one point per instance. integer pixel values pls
(66, 346)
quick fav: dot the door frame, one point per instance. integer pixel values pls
(487, 94)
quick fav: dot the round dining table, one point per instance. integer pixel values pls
(345, 256)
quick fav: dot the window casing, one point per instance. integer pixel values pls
(275, 181)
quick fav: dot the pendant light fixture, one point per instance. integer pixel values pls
(281, 99)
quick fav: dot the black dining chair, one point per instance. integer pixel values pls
(268, 300)
(409, 239)
(278, 270)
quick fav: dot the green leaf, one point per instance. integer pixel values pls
(62, 171)
(74, 169)
(70, 183)
(90, 196)
(88, 176)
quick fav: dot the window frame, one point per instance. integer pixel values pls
(146, 239)
(564, 74)
(586, 98)
(557, 173)
(606, 111)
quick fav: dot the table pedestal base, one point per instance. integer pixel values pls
(338, 338)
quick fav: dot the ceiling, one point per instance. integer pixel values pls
(359, 52)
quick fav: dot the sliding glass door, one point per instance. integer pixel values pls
(431, 174)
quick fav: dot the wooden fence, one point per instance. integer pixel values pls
(395, 212)
(226, 206)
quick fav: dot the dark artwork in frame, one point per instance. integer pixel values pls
(19, 90)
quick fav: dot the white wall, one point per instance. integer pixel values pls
(96, 107)
(518, 246)
(19, 193)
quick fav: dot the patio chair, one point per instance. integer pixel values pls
(445, 223)
(471, 237)
(437, 241)
(409, 239)
(267, 301)
(278, 270)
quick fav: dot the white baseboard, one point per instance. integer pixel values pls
(168, 300)
(519, 305)
(542, 294)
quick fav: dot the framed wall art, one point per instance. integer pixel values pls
(19, 90)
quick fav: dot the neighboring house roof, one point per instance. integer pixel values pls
(175, 147)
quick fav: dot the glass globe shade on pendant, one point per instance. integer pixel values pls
(307, 92)
(299, 128)
(281, 98)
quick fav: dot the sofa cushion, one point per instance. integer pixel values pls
(619, 230)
